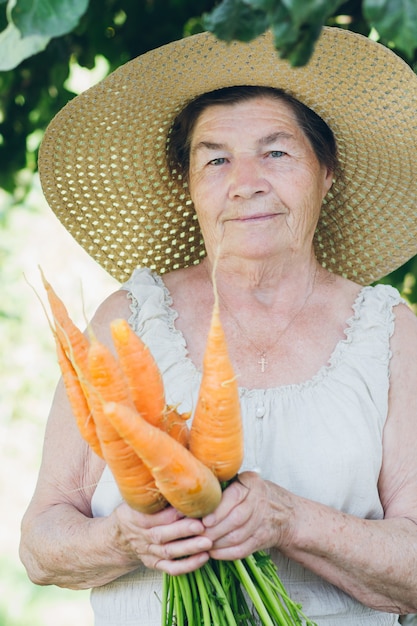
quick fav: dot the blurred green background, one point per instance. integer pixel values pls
(108, 33)
(28, 374)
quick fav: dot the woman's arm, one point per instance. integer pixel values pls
(373, 561)
(61, 543)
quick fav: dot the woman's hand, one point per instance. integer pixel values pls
(253, 515)
(166, 541)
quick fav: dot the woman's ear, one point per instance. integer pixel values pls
(329, 179)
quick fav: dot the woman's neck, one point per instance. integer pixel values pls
(263, 283)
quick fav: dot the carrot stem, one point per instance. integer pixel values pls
(253, 593)
(183, 582)
(205, 608)
(264, 568)
(165, 598)
(178, 604)
(237, 599)
(220, 594)
(194, 591)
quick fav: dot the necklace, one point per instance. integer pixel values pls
(262, 351)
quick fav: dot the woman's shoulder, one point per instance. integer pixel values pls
(379, 312)
(144, 288)
(381, 302)
(175, 283)
(115, 306)
(356, 296)
(183, 282)
(142, 277)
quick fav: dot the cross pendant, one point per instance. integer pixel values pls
(263, 362)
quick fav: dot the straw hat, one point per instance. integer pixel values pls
(104, 173)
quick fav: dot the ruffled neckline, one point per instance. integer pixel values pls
(383, 296)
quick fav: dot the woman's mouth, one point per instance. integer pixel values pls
(257, 217)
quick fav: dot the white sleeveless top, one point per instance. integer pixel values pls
(321, 439)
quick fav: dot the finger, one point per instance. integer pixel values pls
(234, 552)
(232, 529)
(180, 529)
(132, 518)
(162, 518)
(182, 566)
(234, 494)
(181, 548)
(250, 479)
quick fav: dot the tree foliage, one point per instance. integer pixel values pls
(34, 91)
(296, 24)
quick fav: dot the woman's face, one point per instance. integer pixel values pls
(255, 182)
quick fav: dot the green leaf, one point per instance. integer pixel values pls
(14, 48)
(395, 21)
(283, 28)
(301, 12)
(316, 10)
(299, 52)
(235, 19)
(295, 24)
(298, 42)
(50, 18)
(263, 5)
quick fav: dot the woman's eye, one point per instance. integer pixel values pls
(276, 154)
(217, 161)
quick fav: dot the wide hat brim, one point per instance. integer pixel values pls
(104, 173)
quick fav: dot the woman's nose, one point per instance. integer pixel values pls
(247, 179)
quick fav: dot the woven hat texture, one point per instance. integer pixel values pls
(103, 163)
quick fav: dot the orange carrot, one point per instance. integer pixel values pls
(216, 436)
(78, 400)
(186, 483)
(141, 371)
(145, 381)
(175, 425)
(107, 384)
(74, 342)
(71, 348)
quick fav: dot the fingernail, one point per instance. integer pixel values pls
(209, 520)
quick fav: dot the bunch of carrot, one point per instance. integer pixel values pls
(119, 404)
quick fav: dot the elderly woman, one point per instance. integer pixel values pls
(326, 364)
